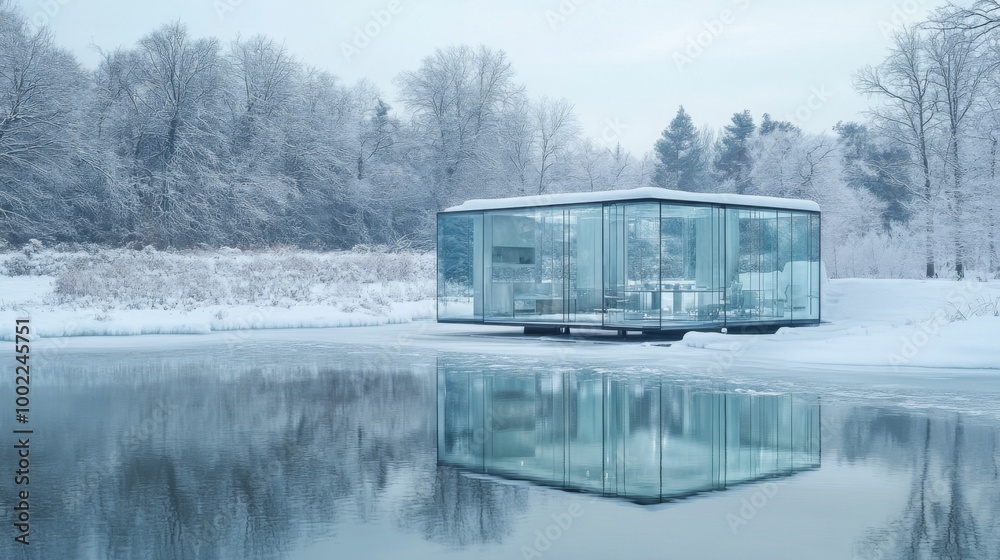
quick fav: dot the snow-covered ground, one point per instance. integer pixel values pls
(882, 324)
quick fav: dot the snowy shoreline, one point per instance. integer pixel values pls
(867, 323)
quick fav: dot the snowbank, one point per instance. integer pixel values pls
(882, 323)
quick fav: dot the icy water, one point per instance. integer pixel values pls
(317, 451)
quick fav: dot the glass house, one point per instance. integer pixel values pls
(639, 437)
(646, 259)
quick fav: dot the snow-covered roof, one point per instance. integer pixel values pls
(635, 194)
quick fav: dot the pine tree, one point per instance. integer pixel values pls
(733, 160)
(768, 125)
(680, 156)
(881, 169)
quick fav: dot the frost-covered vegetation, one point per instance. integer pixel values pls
(368, 279)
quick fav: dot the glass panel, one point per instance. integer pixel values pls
(739, 462)
(783, 262)
(691, 252)
(527, 266)
(460, 418)
(816, 276)
(585, 265)
(511, 240)
(545, 300)
(520, 438)
(692, 447)
(460, 277)
(585, 435)
(805, 434)
(614, 264)
(632, 265)
(799, 292)
(641, 438)
(759, 292)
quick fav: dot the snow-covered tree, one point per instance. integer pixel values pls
(457, 98)
(556, 129)
(907, 103)
(959, 73)
(681, 156)
(732, 159)
(877, 166)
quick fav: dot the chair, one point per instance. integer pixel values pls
(751, 303)
(734, 297)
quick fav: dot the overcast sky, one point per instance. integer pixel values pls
(625, 65)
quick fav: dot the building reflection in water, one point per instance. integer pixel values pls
(639, 437)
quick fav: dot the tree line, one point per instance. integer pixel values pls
(916, 181)
(177, 142)
(180, 142)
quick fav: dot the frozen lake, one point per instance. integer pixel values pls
(279, 445)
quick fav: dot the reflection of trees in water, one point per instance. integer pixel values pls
(250, 467)
(954, 497)
(460, 510)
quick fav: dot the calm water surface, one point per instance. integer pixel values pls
(319, 451)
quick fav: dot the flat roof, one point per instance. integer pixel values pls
(643, 193)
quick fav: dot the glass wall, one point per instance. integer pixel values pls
(774, 274)
(691, 245)
(460, 267)
(632, 264)
(586, 265)
(544, 265)
(645, 265)
(638, 437)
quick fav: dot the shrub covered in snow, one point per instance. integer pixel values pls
(33, 260)
(150, 279)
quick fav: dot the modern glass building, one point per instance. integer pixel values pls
(645, 259)
(643, 438)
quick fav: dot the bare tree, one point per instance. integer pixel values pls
(904, 85)
(44, 156)
(160, 102)
(979, 20)
(264, 75)
(457, 97)
(555, 129)
(959, 75)
(599, 167)
(517, 141)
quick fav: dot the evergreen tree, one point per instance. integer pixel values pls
(768, 125)
(680, 157)
(733, 155)
(880, 169)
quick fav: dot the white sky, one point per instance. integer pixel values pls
(616, 61)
